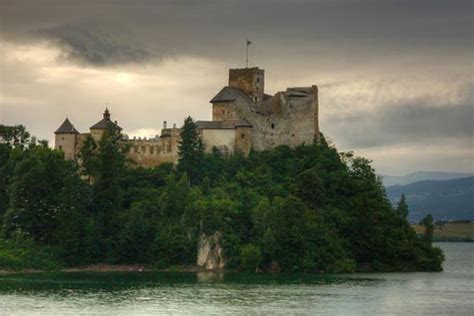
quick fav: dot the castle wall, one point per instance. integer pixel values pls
(243, 139)
(97, 134)
(288, 118)
(67, 144)
(150, 153)
(223, 111)
(222, 139)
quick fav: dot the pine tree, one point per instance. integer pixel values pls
(191, 151)
(402, 207)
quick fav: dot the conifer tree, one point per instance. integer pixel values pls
(191, 151)
(402, 207)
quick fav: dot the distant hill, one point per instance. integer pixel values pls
(448, 199)
(423, 175)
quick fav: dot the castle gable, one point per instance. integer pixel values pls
(66, 128)
(229, 94)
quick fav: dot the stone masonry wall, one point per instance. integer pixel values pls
(288, 118)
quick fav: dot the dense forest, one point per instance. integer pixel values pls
(306, 209)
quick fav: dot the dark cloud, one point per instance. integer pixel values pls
(405, 122)
(359, 30)
(91, 47)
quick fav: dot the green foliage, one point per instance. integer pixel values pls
(20, 253)
(402, 207)
(191, 151)
(307, 208)
(250, 257)
(427, 222)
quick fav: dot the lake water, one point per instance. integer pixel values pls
(449, 292)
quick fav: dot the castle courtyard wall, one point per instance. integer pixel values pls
(222, 139)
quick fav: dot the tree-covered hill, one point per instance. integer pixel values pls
(445, 200)
(307, 208)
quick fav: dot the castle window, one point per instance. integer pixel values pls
(242, 136)
(273, 125)
(293, 135)
(143, 149)
(60, 147)
(255, 99)
(151, 150)
(258, 79)
(136, 149)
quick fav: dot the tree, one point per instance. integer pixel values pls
(14, 136)
(310, 188)
(429, 228)
(44, 186)
(191, 151)
(402, 207)
(107, 193)
(250, 257)
(88, 158)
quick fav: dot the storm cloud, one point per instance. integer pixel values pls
(419, 121)
(78, 44)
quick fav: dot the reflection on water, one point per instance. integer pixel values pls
(215, 293)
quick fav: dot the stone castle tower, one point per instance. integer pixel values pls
(243, 117)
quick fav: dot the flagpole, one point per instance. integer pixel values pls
(247, 53)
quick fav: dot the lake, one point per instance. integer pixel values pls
(448, 292)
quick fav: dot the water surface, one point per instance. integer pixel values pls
(448, 292)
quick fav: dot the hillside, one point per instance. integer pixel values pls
(448, 200)
(423, 176)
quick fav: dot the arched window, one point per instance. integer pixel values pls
(273, 125)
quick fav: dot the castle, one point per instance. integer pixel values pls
(243, 117)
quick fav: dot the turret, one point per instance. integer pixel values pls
(99, 128)
(65, 139)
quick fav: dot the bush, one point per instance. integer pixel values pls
(250, 257)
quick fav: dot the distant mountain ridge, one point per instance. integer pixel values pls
(423, 175)
(444, 199)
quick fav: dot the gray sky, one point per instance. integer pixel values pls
(396, 77)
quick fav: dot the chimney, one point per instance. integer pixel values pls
(164, 124)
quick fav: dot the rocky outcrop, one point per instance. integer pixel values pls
(210, 254)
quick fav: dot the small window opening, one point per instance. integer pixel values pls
(258, 79)
(293, 135)
(223, 111)
(151, 150)
(242, 135)
(273, 125)
(60, 147)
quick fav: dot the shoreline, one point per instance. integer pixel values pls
(103, 267)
